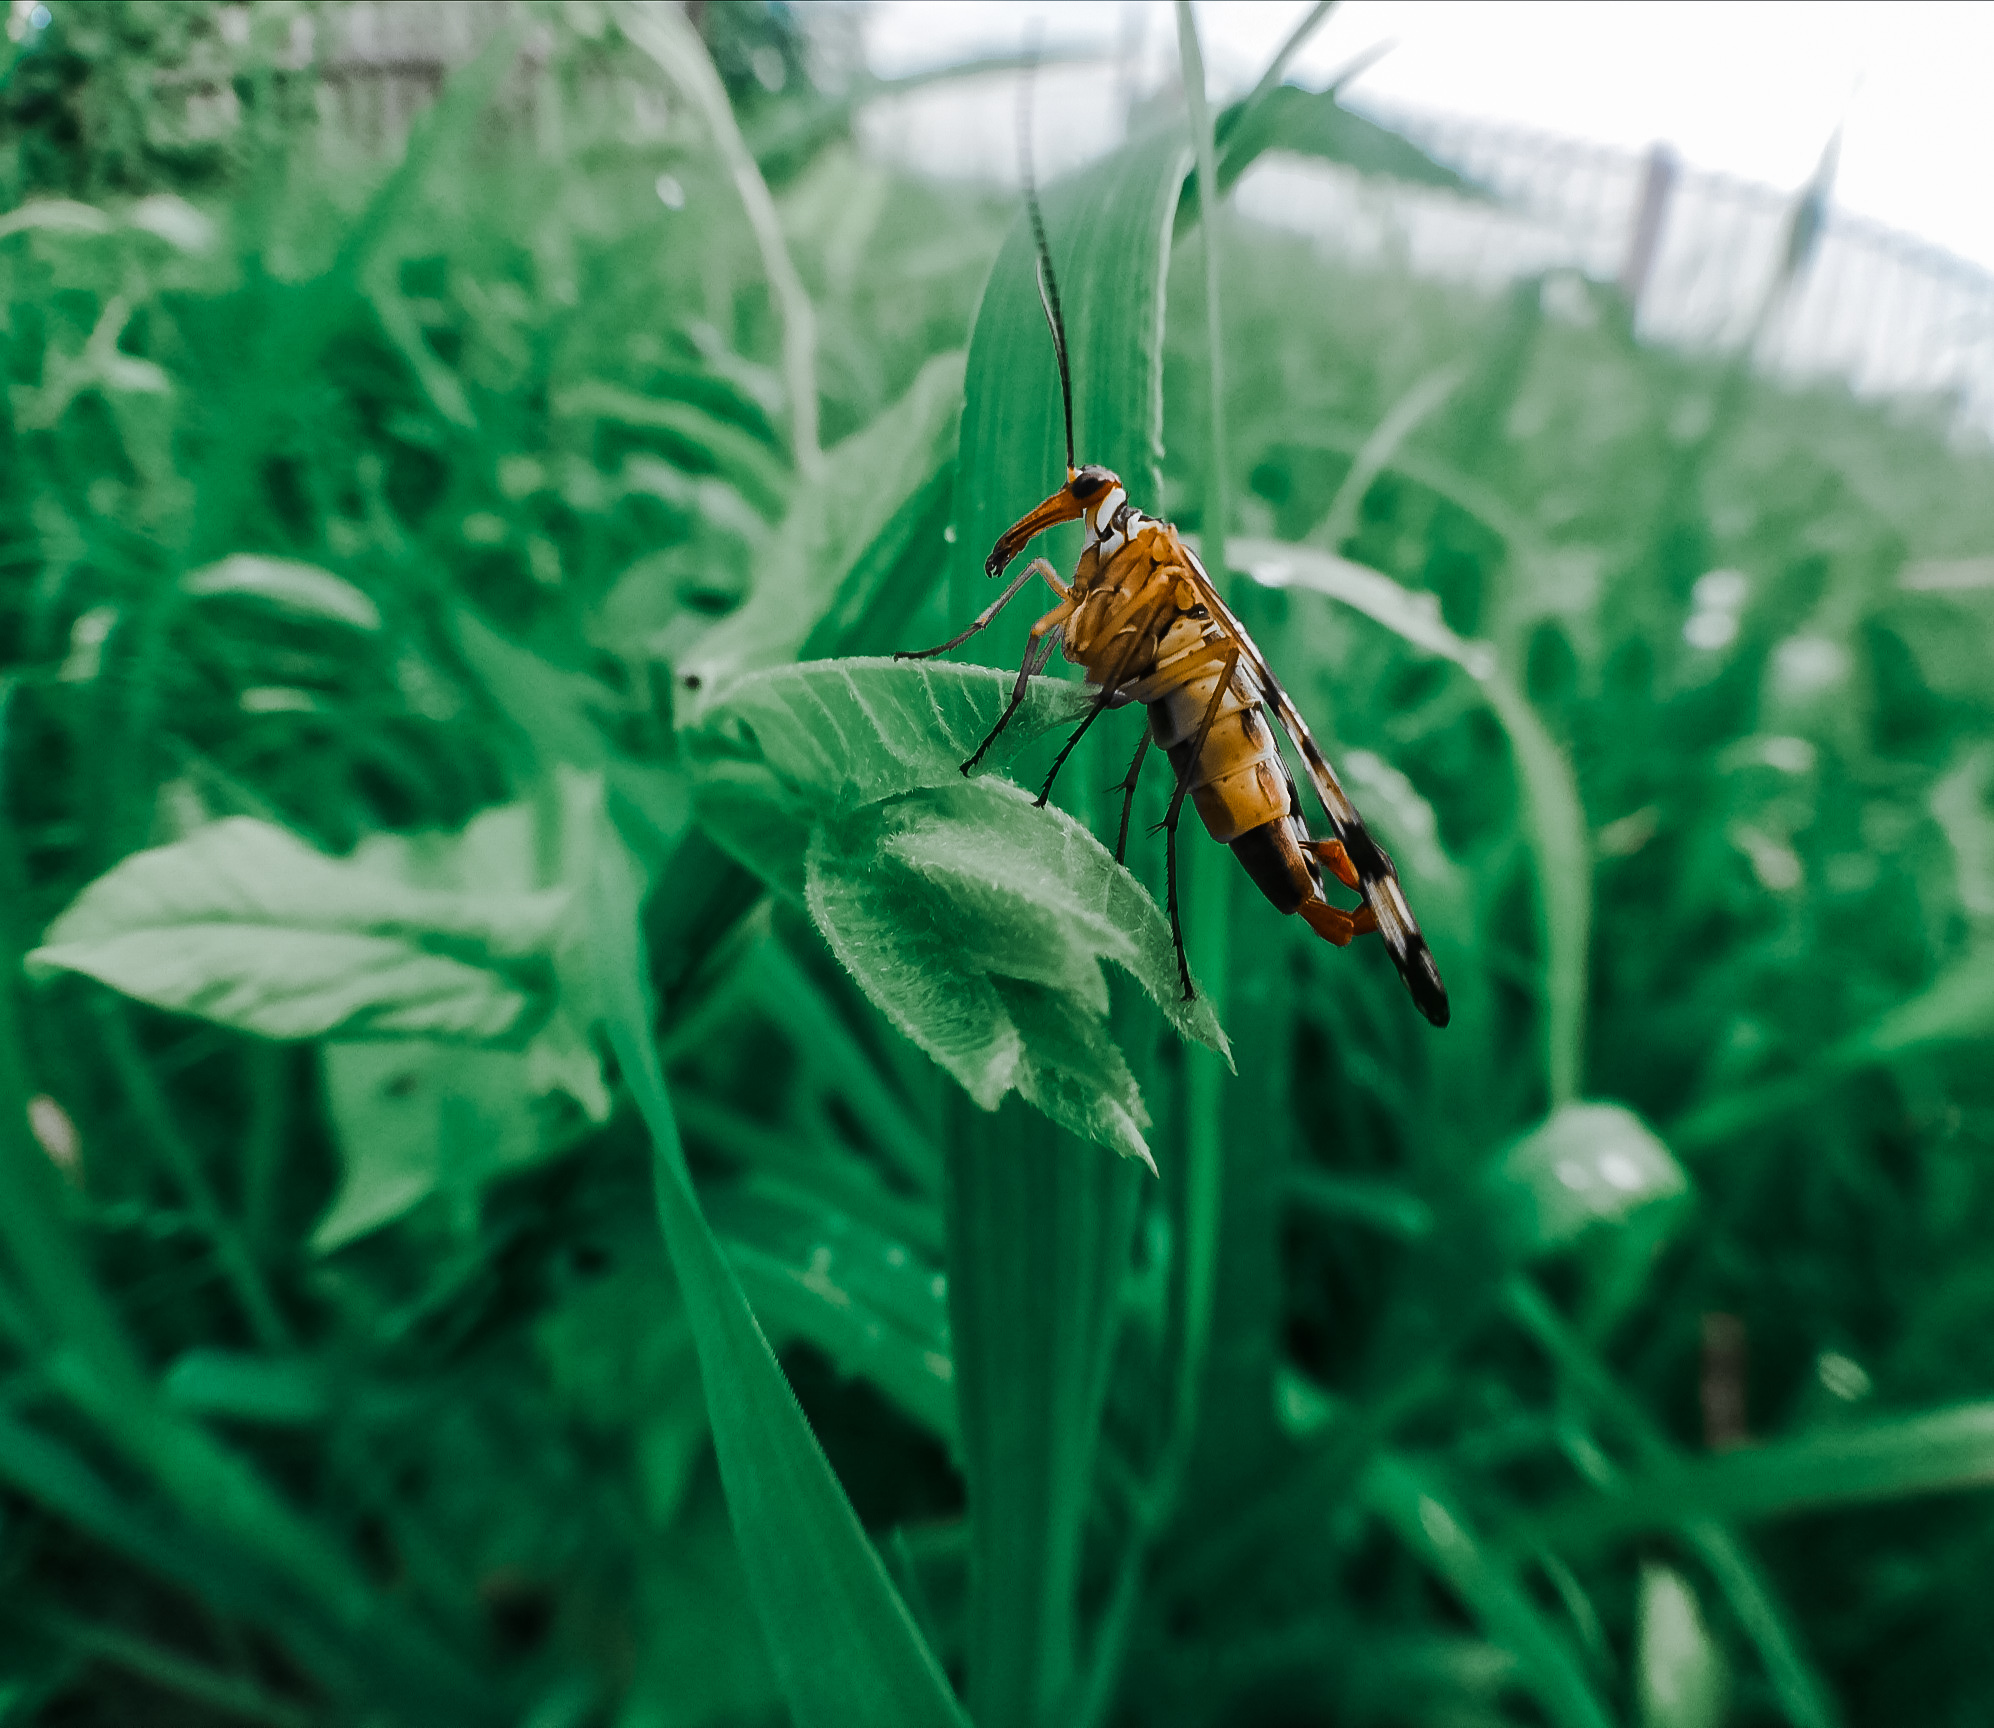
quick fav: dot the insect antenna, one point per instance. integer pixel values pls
(1047, 281)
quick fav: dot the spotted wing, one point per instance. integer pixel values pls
(1375, 872)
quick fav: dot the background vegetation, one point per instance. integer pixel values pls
(476, 990)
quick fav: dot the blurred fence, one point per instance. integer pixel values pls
(1697, 251)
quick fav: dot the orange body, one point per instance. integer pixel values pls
(1144, 619)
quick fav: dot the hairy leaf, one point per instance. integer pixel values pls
(843, 733)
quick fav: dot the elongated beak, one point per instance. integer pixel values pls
(1062, 506)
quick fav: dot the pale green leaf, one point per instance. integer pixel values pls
(244, 924)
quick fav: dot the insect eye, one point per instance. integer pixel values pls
(1087, 482)
(1197, 612)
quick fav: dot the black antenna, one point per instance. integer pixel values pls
(1047, 281)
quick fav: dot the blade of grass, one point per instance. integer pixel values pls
(1956, 1008)
(1802, 1692)
(1888, 1459)
(1555, 822)
(1039, 1226)
(1422, 1516)
(846, 1652)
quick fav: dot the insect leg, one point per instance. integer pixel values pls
(1138, 646)
(1037, 567)
(1338, 927)
(1101, 703)
(1177, 808)
(1226, 668)
(1332, 854)
(1038, 650)
(1170, 877)
(1127, 789)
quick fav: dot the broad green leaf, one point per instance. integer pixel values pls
(844, 532)
(284, 582)
(974, 922)
(977, 924)
(846, 1653)
(843, 733)
(1850, 1465)
(244, 924)
(1429, 1522)
(1682, 1681)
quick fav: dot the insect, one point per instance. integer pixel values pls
(1144, 619)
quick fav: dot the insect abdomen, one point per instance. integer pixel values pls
(1237, 781)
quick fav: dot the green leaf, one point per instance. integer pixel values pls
(1039, 1232)
(1957, 1008)
(1109, 232)
(278, 1391)
(977, 925)
(244, 924)
(303, 589)
(974, 922)
(747, 812)
(839, 734)
(846, 1653)
(1314, 123)
(867, 1301)
(742, 457)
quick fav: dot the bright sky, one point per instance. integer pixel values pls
(1746, 87)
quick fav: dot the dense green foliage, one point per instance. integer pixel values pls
(512, 983)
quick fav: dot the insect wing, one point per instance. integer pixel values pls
(1375, 870)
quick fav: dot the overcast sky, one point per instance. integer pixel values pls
(1744, 87)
